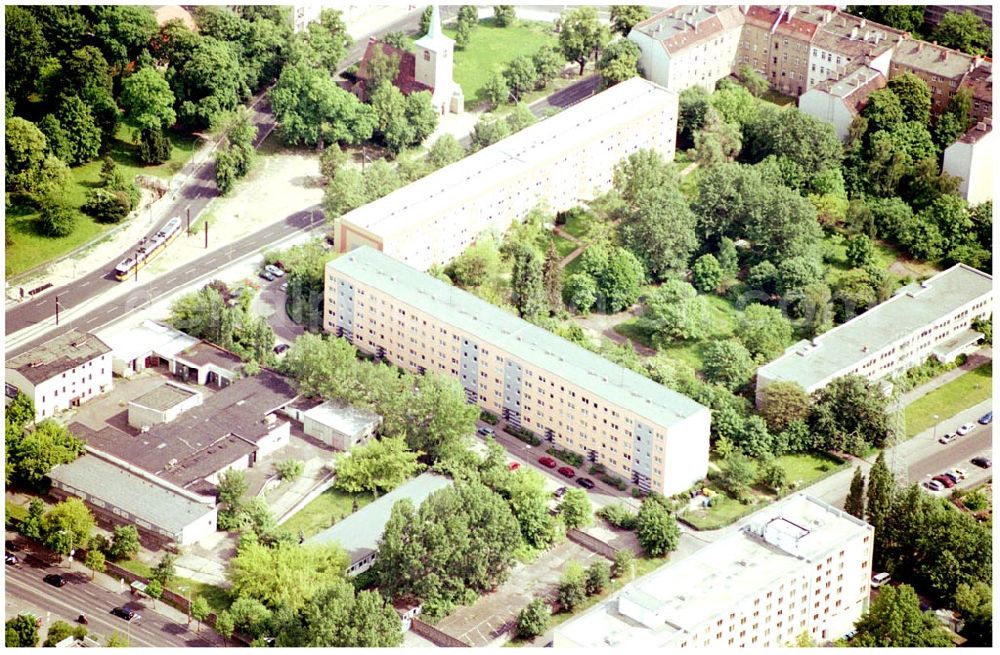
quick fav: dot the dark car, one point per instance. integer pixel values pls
(986, 418)
(280, 348)
(559, 493)
(267, 275)
(9, 557)
(547, 462)
(567, 471)
(486, 432)
(951, 476)
(586, 483)
(982, 462)
(945, 480)
(54, 579)
(125, 613)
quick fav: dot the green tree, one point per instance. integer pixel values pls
(495, 90)
(95, 562)
(117, 640)
(754, 82)
(468, 14)
(772, 474)
(855, 503)
(881, 487)
(21, 632)
(154, 147)
(445, 150)
(154, 590)
(67, 526)
(619, 62)
(378, 466)
(208, 82)
(165, 569)
(232, 488)
(580, 292)
(884, 111)
(147, 100)
(548, 64)
(26, 146)
(581, 35)
(783, 403)
(643, 172)
(327, 40)
(735, 104)
(60, 630)
(224, 624)
(656, 529)
(955, 120)
(660, 231)
(200, 610)
(624, 17)
(393, 128)
(975, 603)
(802, 144)
(503, 15)
(344, 192)
(964, 31)
(598, 577)
(521, 76)
(533, 619)
(894, 620)
(693, 104)
(287, 575)
(738, 473)
(526, 282)
(575, 509)
(83, 136)
(250, 616)
(488, 130)
(619, 276)
(706, 273)
(728, 363)
(529, 500)
(717, 141)
(860, 251)
(552, 277)
(31, 526)
(914, 97)
(37, 452)
(675, 311)
(332, 160)
(623, 563)
(849, 413)
(764, 331)
(438, 416)
(26, 51)
(572, 591)
(422, 115)
(907, 18)
(311, 109)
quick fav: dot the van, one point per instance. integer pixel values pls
(880, 579)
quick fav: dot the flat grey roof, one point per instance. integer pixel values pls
(342, 418)
(464, 311)
(164, 397)
(147, 336)
(911, 309)
(359, 533)
(63, 353)
(139, 497)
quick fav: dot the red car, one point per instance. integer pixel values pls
(567, 471)
(547, 462)
(513, 466)
(945, 480)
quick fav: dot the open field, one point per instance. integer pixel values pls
(961, 393)
(328, 508)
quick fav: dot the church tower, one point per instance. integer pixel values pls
(435, 54)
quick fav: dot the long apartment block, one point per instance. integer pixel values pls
(555, 163)
(797, 567)
(930, 318)
(532, 378)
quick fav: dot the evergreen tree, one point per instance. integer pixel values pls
(855, 503)
(528, 292)
(881, 486)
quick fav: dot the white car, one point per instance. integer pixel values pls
(965, 429)
(934, 485)
(947, 438)
(274, 270)
(959, 474)
(880, 579)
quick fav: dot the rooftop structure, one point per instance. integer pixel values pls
(776, 561)
(58, 355)
(979, 82)
(142, 499)
(164, 397)
(203, 353)
(838, 102)
(971, 160)
(339, 425)
(134, 346)
(685, 26)
(360, 532)
(891, 337)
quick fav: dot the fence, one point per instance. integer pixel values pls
(435, 636)
(591, 543)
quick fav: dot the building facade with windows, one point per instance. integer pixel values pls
(927, 319)
(534, 379)
(797, 567)
(839, 102)
(556, 162)
(971, 160)
(60, 373)
(943, 69)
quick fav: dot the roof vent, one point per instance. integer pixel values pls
(36, 363)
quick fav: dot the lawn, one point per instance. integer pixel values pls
(724, 511)
(578, 224)
(328, 508)
(217, 597)
(886, 258)
(564, 246)
(961, 393)
(806, 468)
(27, 248)
(490, 47)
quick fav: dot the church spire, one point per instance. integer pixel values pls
(434, 31)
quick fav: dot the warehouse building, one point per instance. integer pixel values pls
(534, 379)
(557, 163)
(797, 567)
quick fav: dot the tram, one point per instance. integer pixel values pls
(148, 248)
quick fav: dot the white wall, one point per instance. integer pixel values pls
(276, 439)
(827, 108)
(200, 528)
(685, 457)
(51, 396)
(973, 163)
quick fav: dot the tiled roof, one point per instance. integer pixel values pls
(55, 356)
(934, 59)
(405, 80)
(980, 81)
(685, 26)
(855, 88)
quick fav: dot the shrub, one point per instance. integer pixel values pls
(598, 577)
(527, 436)
(572, 587)
(624, 559)
(107, 206)
(290, 469)
(619, 516)
(568, 456)
(57, 219)
(976, 501)
(533, 619)
(489, 417)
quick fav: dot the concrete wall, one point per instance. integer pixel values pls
(276, 439)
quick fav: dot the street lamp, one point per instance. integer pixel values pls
(935, 426)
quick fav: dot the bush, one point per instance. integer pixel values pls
(154, 147)
(624, 559)
(107, 206)
(572, 587)
(489, 417)
(290, 469)
(527, 436)
(598, 577)
(976, 501)
(613, 481)
(57, 219)
(533, 619)
(597, 469)
(568, 456)
(619, 516)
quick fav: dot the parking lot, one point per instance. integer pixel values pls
(958, 453)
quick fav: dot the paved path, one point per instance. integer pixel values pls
(975, 360)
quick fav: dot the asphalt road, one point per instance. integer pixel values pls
(25, 591)
(195, 193)
(956, 454)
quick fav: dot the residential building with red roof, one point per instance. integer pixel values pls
(838, 102)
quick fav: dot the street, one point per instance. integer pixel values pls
(25, 591)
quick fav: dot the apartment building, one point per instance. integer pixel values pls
(838, 102)
(776, 42)
(556, 163)
(797, 567)
(60, 373)
(979, 82)
(943, 69)
(971, 160)
(689, 45)
(931, 318)
(934, 13)
(532, 378)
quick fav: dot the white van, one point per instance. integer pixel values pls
(880, 579)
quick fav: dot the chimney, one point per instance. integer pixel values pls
(944, 55)
(981, 126)
(854, 33)
(863, 23)
(868, 35)
(920, 46)
(791, 12)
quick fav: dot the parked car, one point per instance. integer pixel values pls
(880, 579)
(945, 480)
(586, 483)
(486, 432)
(283, 287)
(280, 348)
(9, 557)
(54, 579)
(960, 474)
(559, 493)
(982, 462)
(267, 275)
(513, 466)
(964, 429)
(951, 476)
(125, 613)
(547, 462)
(934, 485)
(947, 438)
(567, 471)
(274, 270)
(986, 418)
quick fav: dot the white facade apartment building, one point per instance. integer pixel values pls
(798, 566)
(843, 42)
(532, 378)
(557, 162)
(689, 45)
(931, 318)
(60, 373)
(839, 102)
(971, 159)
